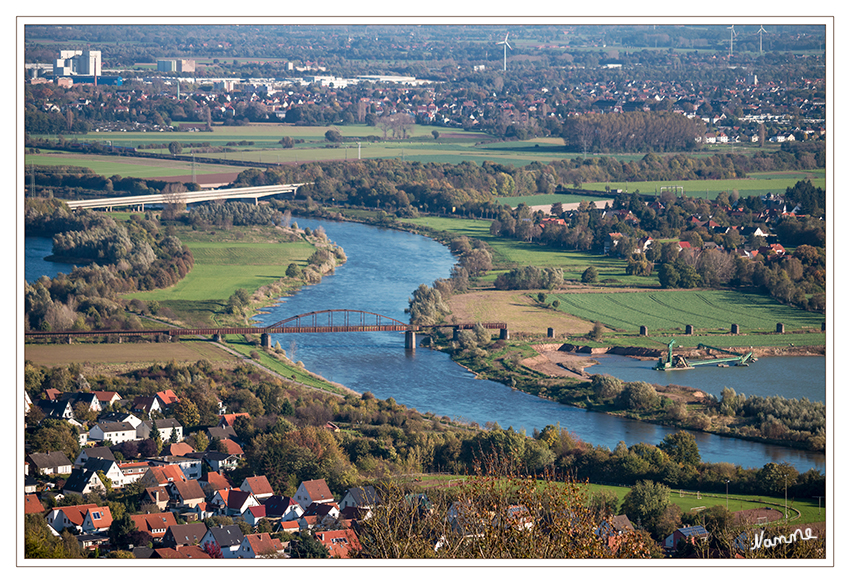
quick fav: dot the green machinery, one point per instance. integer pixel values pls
(671, 362)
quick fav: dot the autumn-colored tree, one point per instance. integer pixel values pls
(498, 514)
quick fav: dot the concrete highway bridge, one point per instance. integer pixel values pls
(320, 322)
(139, 202)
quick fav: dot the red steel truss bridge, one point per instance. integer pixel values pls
(319, 322)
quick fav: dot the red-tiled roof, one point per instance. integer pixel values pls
(259, 485)
(101, 517)
(32, 505)
(263, 543)
(230, 447)
(340, 543)
(76, 514)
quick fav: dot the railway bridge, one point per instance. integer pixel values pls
(318, 322)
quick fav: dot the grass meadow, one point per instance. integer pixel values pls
(706, 310)
(260, 143)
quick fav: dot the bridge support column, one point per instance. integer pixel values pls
(266, 340)
(456, 334)
(218, 337)
(410, 340)
(504, 334)
(70, 340)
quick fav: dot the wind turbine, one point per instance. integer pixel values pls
(760, 31)
(507, 46)
(732, 35)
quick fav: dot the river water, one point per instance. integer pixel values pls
(35, 250)
(384, 267)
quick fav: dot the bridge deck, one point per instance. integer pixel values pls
(256, 330)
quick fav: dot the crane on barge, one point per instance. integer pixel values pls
(669, 361)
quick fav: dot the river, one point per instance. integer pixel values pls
(35, 250)
(384, 267)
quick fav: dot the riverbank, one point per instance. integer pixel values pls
(563, 372)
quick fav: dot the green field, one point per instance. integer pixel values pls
(512, 253)
(260, 143)
(128, 166)
(222, 268)
(688, 501)
(673, 310)
(282, 367)
(757, 184)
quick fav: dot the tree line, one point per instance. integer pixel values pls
(131, 256)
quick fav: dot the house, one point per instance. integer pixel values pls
(216, 461)
(283, 508)
(229, 419)
(212, 481)
(288, 526)
(162, 475)
(32, 505)
(230, 447)
(113, 431)
(319, 514)
(146, 404)
(364, 498)
(83, 481)
(53, 462)
(254, 514)
(165, 427)
(186, 494)
(93, 540)
(184, 534)
(191, 467)
(238, 502)
(93, 452)
(259, 545)
(97, 519)
(313, 491)
(228, 538)
(56, 409)
(686, 534)
(167, 398)
(258, 486)
(106, 398)
(177, 449)
(133, 471)
(341, 544)
(155, 524)
(109, 468)
(70, 517)
(221, 433)
(611, 530)
(156, 495)
(118, 416)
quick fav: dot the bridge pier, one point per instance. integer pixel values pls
(218, 337)
(504, 334)
(410, 340)
(266, 340)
